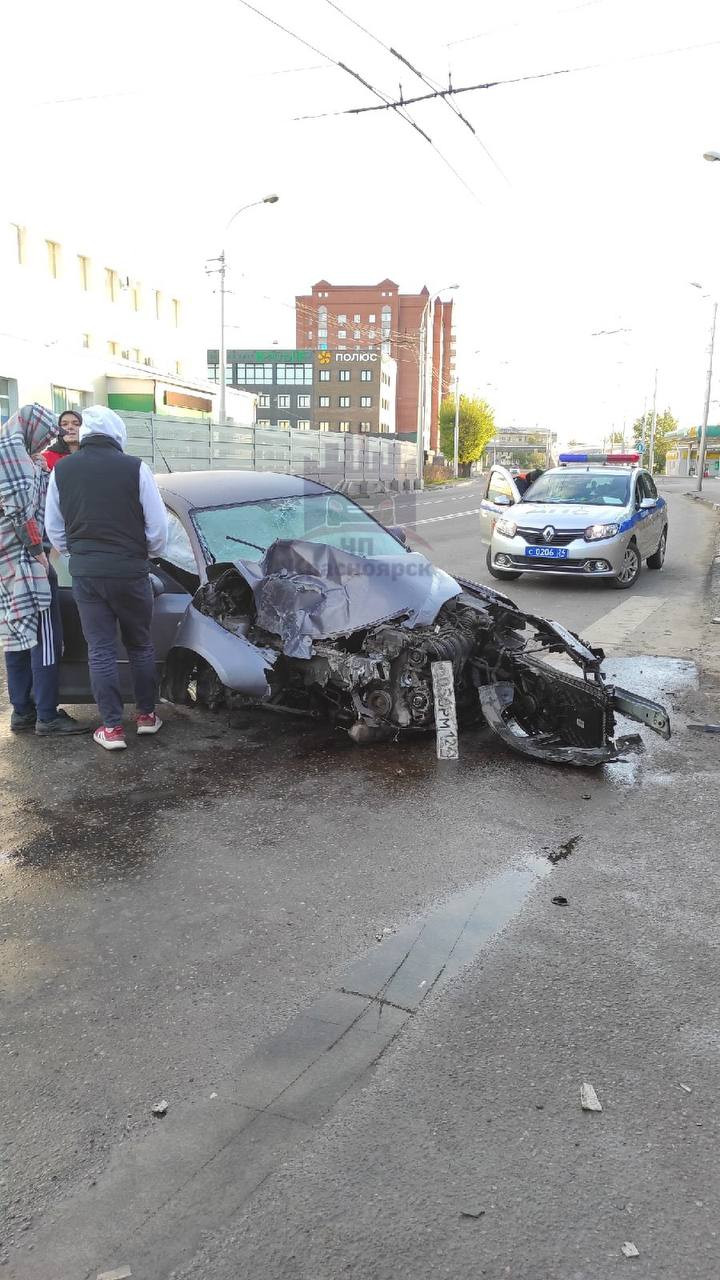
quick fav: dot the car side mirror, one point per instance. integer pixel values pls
(398, 531)
(157, 584)
(648, 504)
(502, 500)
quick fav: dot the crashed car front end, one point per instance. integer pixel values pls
(358, 639)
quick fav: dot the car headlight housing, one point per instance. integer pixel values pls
(506, 528)
(595, 532)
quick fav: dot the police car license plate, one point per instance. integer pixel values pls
(547, 553)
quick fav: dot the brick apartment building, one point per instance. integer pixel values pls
(352, 318)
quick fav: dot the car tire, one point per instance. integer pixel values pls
(657, 559)
(630, 571)
(210, 692)
(504, 575)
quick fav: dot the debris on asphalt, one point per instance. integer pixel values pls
(716, 620)
(383, 933)
(120, 1273)
(630, 742)
(160, 1108)
(685, 1087)
(705, 728)
(587, 796)
(472, 1211)
(213, 1095)
(589, 1100)
(559, 900)
(629, 1250)
(563, 850)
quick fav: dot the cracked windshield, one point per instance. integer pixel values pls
(254, 526)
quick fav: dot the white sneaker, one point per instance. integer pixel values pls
(148, 724)
(110, 739)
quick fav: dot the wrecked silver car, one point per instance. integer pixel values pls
(279, 592)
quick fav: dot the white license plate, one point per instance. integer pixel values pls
(547, 553)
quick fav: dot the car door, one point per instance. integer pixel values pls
(644, 518)
(656, 519)
(501, 492)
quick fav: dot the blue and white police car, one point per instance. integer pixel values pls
(596, 515)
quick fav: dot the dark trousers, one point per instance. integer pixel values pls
(32, 674)
(103, 604)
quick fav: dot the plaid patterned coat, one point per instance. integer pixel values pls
(24, 586)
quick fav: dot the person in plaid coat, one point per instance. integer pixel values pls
(30, 631)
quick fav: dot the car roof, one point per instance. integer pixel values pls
(597, 468)
(219, 488)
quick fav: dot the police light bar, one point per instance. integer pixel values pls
(601, 458)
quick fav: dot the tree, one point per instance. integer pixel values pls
(664, 425)
(477, 427)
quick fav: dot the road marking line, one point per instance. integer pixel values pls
(453, 515)
(614, 628)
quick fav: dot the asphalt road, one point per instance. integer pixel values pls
(344, 972)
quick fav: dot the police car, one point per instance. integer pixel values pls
(597, 515)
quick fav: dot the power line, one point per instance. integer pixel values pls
(387, 104)
(512, 26)
(494, 84)
(430, 84)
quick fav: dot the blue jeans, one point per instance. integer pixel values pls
(103, 604)
(32, 674)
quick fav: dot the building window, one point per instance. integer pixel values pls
(323, 426)
(229, 375)
(341, 346)
(371, 319)
(303, 424)
(84, 272)
(263, 422)
(284, 424)
(136, 297)
(356, 319)
(303, 402)
(366, 375)
(344, 375)
(365, 426)
(263, 402)
(112, 348)
(322, 336)
(111, 284)
(342, 333)
(366, 402)
(178, 364)
(343, 426)
(371, 333)
(283, 402)
(344, 402)
(310, 334)
(86, 340)
(53, 252)
(212, 372)
(255, 374)
(324, 375)
(386, 321)
(294, 374)
(342, 319)
(158, 305)
(20, 237)
(67, 398)
(324, 402)
(357, 334)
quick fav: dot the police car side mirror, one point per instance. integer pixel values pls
(502, 500)
(398, 531)
(648, 504)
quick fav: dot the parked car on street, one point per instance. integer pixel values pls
(277, 591)
(589, 517)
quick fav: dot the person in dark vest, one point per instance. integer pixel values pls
(104, 509)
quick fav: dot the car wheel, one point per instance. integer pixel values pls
(505, 575)
(630, 569)
(657, 560)
(210, 692)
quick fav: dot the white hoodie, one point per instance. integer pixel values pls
(98, 420)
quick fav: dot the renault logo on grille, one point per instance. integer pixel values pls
(548, 533)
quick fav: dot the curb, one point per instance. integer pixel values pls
(707, 502)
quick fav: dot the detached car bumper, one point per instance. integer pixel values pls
(602, 559)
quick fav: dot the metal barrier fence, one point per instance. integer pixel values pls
(356, 463)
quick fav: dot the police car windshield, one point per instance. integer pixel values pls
(585, 488)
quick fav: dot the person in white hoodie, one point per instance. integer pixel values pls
(104, 509)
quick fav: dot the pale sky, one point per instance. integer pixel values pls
(177, 113)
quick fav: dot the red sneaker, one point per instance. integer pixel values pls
(148, 724)
(110, 739)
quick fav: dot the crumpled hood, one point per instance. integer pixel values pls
(98, 420)
(306, 591)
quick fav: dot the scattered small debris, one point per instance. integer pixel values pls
(160, 1108)
(716, 621)
(472, 1211)
(559, 900)
(564, 850)
(686, 1088)
(213, 1095)
(587, 796)
(630, 742)
(629, 1250)
(589, 1100)
(120, 1273)
(383, 933)
(422, 984)
(705, 728)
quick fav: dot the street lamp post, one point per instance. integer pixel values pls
(706, 412)
(456, 432)
(221, 270)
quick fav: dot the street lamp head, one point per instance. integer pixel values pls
(711, 155)
(270, 199)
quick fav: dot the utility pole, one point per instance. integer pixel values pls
(706, 414)
(222, 353)
(456, 433)
(653, 424)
